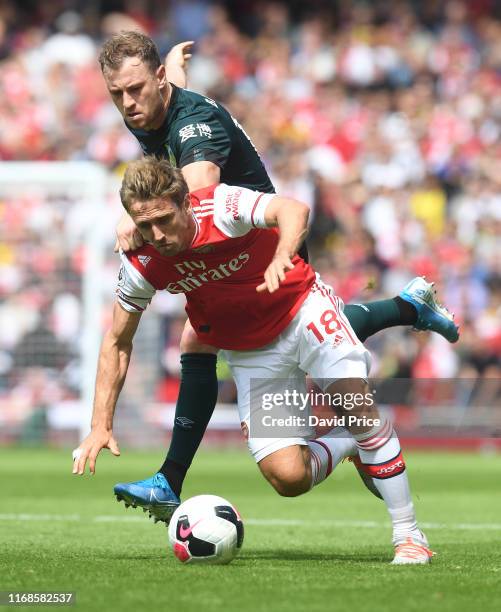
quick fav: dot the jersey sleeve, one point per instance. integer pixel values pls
(133, 291)
(238, 210)
(201, 138)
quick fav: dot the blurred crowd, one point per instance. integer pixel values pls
(384, 117)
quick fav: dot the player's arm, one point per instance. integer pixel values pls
(202, 146)
(291, 218)
(113, 362)
(128, 236)
(176, 63)
(201, 174)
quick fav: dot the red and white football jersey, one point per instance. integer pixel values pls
(220, 271)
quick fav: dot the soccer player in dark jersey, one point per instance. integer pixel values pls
(200, 136)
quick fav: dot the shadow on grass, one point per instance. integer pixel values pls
(247, 556)
(301, 556)
(132, 557)
(253, 556)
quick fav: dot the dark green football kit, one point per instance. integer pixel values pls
(197, 128)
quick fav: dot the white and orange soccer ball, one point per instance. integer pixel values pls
(206, 529)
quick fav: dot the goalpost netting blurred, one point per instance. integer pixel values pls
(58, 275)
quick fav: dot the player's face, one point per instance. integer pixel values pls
(168, 227)
(138, 92)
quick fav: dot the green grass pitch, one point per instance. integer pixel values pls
(327, 550)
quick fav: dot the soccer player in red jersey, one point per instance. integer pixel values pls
(233, 253)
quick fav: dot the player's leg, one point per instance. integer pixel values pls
(288, 470)
(197, 397)
(339, 364)
(194, 408)
(369, 318)
(416, 305)
(380, 457)
(295, 469)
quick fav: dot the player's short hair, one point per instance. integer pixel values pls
(128, 43)
(151, 178)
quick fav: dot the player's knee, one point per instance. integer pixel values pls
(190, 342)
(290, 486)
(288, 470)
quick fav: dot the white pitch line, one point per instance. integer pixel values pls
(111, 518)
(40, 517)
(322, 523)
(371, 524)
(104, 518)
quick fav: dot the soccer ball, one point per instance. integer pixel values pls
(206, 529)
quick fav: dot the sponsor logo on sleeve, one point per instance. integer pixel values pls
(193, 130)
(186, 132)
(204, 130)
(231, 204)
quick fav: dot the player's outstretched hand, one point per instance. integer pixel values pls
(180, 54)
(128, 236)
(90, 448)
(275, 273)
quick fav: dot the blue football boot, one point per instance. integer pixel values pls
(432, 316)
(152, 494)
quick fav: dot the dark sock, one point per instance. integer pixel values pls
(368, 319)
(408, 312)
(195, 405)
(175, 473)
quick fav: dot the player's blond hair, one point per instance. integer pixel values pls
(128, 43)
(151, 178)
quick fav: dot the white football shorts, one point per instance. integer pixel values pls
(320, 342)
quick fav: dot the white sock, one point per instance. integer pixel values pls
(381, 455)
(327, 452)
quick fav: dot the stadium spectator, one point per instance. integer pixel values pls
(386, 121)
